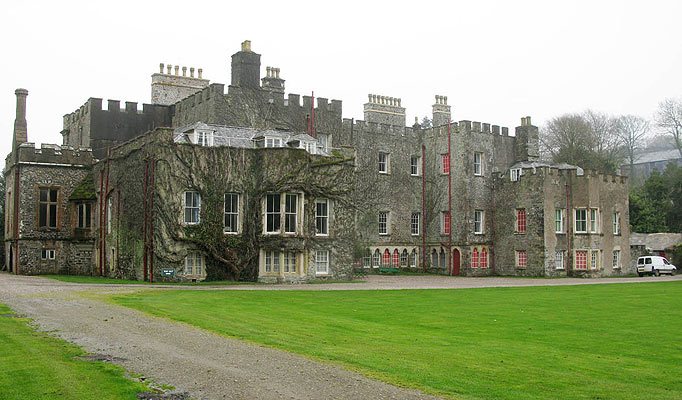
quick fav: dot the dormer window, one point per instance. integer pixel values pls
(273, 142)
(203, 138)
(515, 174)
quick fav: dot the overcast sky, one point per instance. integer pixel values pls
(495, 60)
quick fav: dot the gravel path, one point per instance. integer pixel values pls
(205, 365)
(208, 366)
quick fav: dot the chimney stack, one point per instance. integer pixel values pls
(20, 127)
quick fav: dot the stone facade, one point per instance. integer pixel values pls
(446, 198)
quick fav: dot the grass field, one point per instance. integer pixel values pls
(617, 341)
(36, 366)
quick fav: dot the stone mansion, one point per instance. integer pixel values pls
(249, 183)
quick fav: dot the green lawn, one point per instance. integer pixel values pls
(36, 366)
(617, 341)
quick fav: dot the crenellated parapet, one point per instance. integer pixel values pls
(466, 126)
(52, 154)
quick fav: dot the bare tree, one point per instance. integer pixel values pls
(632, 130)
(669, 119)
(588, 140)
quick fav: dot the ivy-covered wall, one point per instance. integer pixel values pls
(169, 169)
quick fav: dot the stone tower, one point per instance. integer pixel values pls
(169, 87)
(527, 146)
(441, 111)
(20, 126)
(384, 110)
(246, 67)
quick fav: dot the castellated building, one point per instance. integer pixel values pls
(250, 183)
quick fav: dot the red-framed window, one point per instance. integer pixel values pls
(386, 259)
(520, 220)
(483, 258)
(521, 258)
(396, 258)
(445, 163)
(581, 260)
(446, 222)
(474, 258)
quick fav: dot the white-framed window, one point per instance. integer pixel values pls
(616, 259)
(559, 220)
(290, 262)
(231, 216)
(192, 206)
(376, 258)
(403, 258)
(413, 258)
(414, 165)
(194, 264)
(84, 211)
(321, 262)
(559, 260)
(273, 216)
(415, 222)
(479, 222)
(290, 213)
(616, 223)
(384, 162)
(521, 258)
(445, 222)
(580, 221)
(594, 220)
(48, 254)
(322, 142)
(322, 217)
(478, 163)
(204, 138)
(515, 174)
(273, 142)
(383, 223)
(595, 259)
(109, 214)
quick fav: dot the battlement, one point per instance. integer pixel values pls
(572, 173)
(361, 126)
(478, 127)
(323, 104)
(95, 105)
(53, 154)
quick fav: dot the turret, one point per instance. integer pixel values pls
(20, 126)
(246, 67)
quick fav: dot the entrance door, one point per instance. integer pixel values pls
(455, 262)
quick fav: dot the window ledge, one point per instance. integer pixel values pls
(322, 235)
(560, 269)
(479, 233)
(231, 233)
(384, 234)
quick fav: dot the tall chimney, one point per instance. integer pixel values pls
(20, 128)
(246, 67)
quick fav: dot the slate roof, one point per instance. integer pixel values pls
(655, 241)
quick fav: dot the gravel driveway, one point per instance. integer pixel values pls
(208, 366)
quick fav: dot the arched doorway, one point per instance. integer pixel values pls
(455, 262)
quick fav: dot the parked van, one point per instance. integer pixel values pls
(654, 265)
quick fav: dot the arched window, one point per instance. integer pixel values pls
(376, 258)
(434, 259)
(403, 258)
(413, 258)
(387, 258)
(484, 258)
(396, 258)
(442, 258)
(474, 258)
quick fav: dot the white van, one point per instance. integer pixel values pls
(654, 265)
